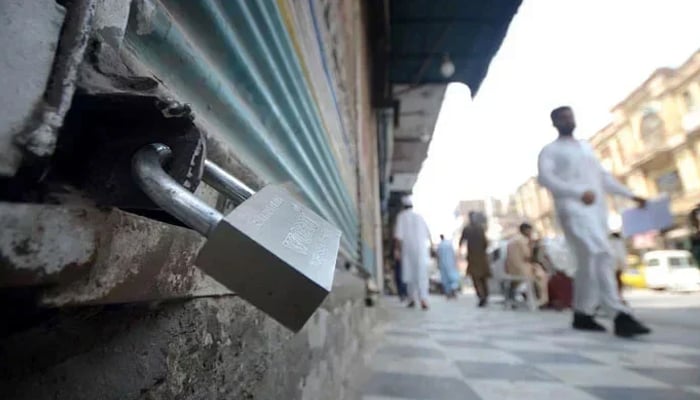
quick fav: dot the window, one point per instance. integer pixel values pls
(681, 262)
(654, 262)
(652, 128)
(689, 101)
(669, 183)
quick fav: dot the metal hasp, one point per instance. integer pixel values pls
(271, 250)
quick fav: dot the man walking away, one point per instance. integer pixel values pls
(413, 244)
(520, 262)
(570, 170)
(401, 290)
(478, 269)
(448, 267)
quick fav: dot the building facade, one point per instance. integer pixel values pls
(653, 144)
(533, 204)
(502, 216)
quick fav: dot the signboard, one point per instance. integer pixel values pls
(656, 216)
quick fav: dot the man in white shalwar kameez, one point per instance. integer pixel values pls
(578, 182)
(413, 243)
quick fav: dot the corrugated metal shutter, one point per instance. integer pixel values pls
(235, 63)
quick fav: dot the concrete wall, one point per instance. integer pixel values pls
(208, 348)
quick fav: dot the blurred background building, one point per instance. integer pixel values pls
(501, 216)
(652, 146)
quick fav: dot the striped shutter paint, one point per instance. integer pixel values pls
(247, 70)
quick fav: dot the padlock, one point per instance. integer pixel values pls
(271, 250)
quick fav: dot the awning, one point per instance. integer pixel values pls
(416, 37)
(469, 33)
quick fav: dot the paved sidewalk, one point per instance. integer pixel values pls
(456, 351)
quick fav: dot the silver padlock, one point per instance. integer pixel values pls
(271, 250)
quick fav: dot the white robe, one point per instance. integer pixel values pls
(569, 168)
(620, 252)
(414, 235)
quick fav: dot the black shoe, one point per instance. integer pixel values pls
(585, 322)
(627, 326)
(482, 303)
(411, 304)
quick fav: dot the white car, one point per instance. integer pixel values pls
(671, 269)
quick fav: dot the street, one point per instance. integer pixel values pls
(456, 351)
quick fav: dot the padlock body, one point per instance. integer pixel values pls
(276, 254)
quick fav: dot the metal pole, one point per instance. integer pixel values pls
(225, 183)
(147, 169)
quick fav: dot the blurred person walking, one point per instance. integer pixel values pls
(401, 289)
(412, 247)
(474, 234)
(447, 264)
(570, 170)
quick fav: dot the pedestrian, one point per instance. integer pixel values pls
(520, 262)
(474, 234)
(570, 170)
(401, 290)
(620, 252)
(413, 243)
(447, 265)
(694, 218)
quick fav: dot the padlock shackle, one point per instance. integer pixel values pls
(225, 183)
(147, 169)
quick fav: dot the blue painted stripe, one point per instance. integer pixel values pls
(326, 70)
(247, 88)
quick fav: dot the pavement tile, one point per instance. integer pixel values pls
(689, 358)
(633, 393)
(411, 333)
(410, 351)
(456, 331)
(661, 348)
(482, 355)
(440, 336)
(457, 352)
(504, 372)
(419, 387)
(542, 357)
(673, 376)
(587, 346)
(630, 359)
(415, 365)
(489, 389)
(528, 345)
(422, 341)
(466, 343)
(599, 376)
